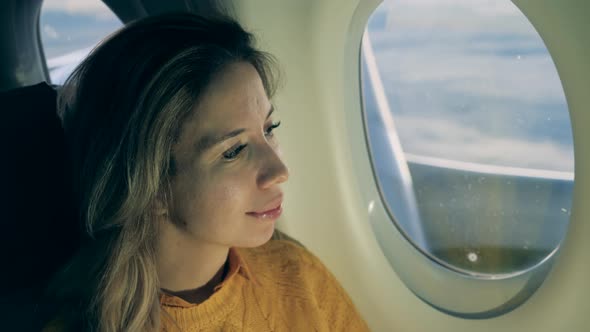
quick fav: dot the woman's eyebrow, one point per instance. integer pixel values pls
(208, 141)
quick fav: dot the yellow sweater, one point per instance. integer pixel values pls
(276, 287)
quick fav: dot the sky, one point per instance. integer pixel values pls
(89, 7)
(471, 81)
(70, 25)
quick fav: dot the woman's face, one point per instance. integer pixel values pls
(228, 164)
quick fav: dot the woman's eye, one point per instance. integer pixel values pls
(233, 153)
(269, 131)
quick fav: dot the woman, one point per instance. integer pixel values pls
(177, 175)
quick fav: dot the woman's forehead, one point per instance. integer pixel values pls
(235, 97)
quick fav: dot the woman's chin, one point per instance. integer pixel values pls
(256, 240)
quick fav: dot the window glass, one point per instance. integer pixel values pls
(466, 114)
(70, 29)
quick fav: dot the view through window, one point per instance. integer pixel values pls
(70, 29)
(472, 96)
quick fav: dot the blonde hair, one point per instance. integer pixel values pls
(122, 110)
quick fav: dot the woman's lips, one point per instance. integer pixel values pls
(270, 214)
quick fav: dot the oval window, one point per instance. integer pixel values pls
(469, 133)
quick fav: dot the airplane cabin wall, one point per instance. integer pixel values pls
(317, 44)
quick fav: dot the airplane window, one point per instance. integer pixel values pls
(469, 133)
(70, 29)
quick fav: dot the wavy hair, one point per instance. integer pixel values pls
(122, 110)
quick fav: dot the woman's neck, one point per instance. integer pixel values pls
(186, 268)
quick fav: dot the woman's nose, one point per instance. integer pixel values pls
(273, 170)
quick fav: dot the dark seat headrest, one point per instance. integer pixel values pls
(38, 232)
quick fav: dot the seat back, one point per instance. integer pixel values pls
(37, 230)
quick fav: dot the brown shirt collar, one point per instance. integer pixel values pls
(237, 267)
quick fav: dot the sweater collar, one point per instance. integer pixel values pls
(237, 264)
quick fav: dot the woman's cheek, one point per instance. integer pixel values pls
(228, 195)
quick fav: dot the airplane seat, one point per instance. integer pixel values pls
(38, 234)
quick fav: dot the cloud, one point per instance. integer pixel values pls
(452, 13)
(451, 140)
(50, 31)
(86, 7)
(472, 81)
(531, 78)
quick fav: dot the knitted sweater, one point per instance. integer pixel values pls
(276, 287)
